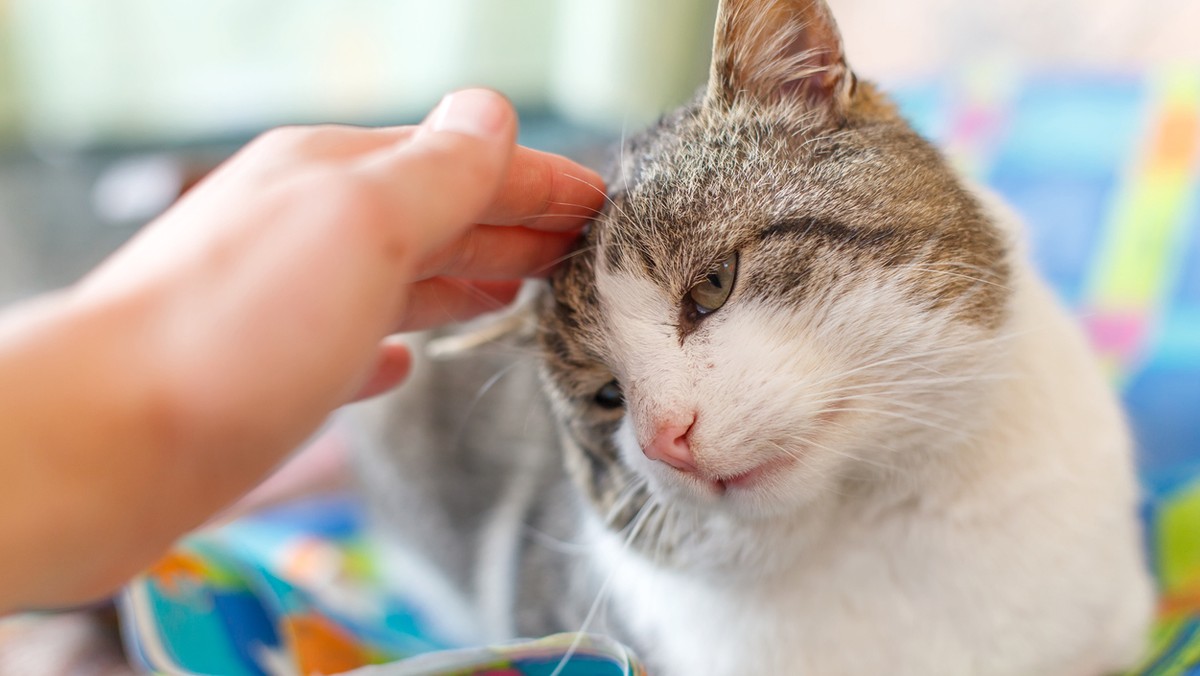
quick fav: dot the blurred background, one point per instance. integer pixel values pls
(1083, 113)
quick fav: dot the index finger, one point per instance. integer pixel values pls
(544, 191)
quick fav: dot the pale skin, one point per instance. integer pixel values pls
(168, 382)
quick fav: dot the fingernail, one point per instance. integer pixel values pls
(475, 112)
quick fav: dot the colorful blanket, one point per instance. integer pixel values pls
(1106, 170)
(295, 591)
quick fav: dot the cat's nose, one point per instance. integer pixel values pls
(670, 445)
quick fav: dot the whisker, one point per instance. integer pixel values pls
(553, 543)
(608, 199)
(834, 451)
(897, 387)
(806, 463)
(624, 498)
(941, 350)
(643, 515)
(594, 210)
(901, 416)
(461, 433)
(577, 252)
(959, 275)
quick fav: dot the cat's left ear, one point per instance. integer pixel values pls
(779, 51)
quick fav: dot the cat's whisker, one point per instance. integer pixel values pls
(539, 217)
(958, 275)
(906, 382)
(616, 207)
(805, 462)
(595, 211)
(489, 299)
(619, 507)
(461, 433)
(883, 397)
(912, 406)
(844, 397)
(602, 594)
(624, 498)
(939, 264)
(669, 521)
(891, 388)
(897, 414)
(577, 252)
(555, 544)
(805, 441)
(562, 259)
(899, 386)
(968, 348)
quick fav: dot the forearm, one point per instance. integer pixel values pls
(105, 458)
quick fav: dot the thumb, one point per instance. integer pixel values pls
(441, 181)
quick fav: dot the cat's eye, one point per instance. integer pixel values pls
(710, 294)
(610, 397)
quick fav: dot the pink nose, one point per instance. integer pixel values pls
(670, 445)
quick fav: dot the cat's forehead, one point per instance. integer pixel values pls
(702, 185)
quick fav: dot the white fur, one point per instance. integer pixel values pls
(1002, 541)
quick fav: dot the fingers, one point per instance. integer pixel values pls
(498, 252)
(433, 302)
(442, 180)
(428, 184)
(391, 368)
(444, 300)
(546, 192)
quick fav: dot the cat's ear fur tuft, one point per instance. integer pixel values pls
(779, 52)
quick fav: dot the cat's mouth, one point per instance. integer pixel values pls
(748, 479)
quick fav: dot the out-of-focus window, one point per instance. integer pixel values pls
(78, 72)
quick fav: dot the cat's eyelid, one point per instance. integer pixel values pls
(715, 268)
(692, 312)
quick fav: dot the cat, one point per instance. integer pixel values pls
(798, 404)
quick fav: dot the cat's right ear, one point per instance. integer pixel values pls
(779, 52)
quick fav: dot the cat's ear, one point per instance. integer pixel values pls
(779, 51)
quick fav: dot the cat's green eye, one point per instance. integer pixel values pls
(610, 396)
(710, 294)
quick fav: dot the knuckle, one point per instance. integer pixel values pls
(465, 253)
(546, 184)
(363, 206)
(355, 199)
(470, 162)
(278, 138)
(307, 139)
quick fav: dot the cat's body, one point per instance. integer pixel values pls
(994, 570)
(817, 414)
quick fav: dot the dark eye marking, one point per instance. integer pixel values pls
(892, 245)
(830, 231)
(813, 228)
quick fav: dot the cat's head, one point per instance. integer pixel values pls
(788, 291)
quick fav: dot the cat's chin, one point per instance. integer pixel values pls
(774, 489)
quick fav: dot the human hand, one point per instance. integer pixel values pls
(430, 210)
(197, 357)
